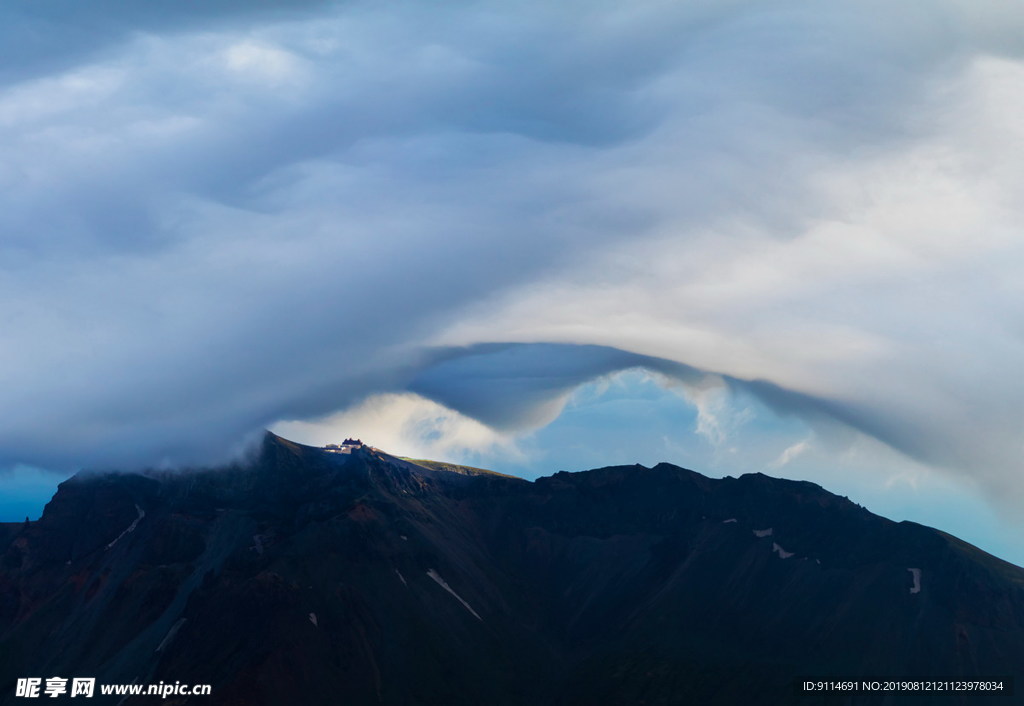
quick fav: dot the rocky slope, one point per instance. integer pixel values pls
(309, 577)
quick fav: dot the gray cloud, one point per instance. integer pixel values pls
(40, 38)
(218, 215)
(521, 386)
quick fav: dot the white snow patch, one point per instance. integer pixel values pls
(916, 573)
(404, 582)
(731, 519)
(312, 619)
(170, 634)
(764, 532)
(404, 538)
(444, 584)
(131, 527)
(783, 554)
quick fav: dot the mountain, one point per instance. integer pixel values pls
(308, 576)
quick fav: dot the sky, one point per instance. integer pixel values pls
(736, 236)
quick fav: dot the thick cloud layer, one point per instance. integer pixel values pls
(220, 217)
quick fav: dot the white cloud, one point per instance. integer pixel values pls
(261, 62)
(790, 453)
(407, 425)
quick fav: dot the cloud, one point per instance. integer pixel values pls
(408, 425)
(789, 453)
(516, 388)
(38, 39)
(219, 219)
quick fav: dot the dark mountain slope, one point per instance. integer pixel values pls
(453, 467)
(319, 578)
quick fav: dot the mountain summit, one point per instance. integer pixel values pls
(327, 576)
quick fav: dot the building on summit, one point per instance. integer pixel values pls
(346, 447)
